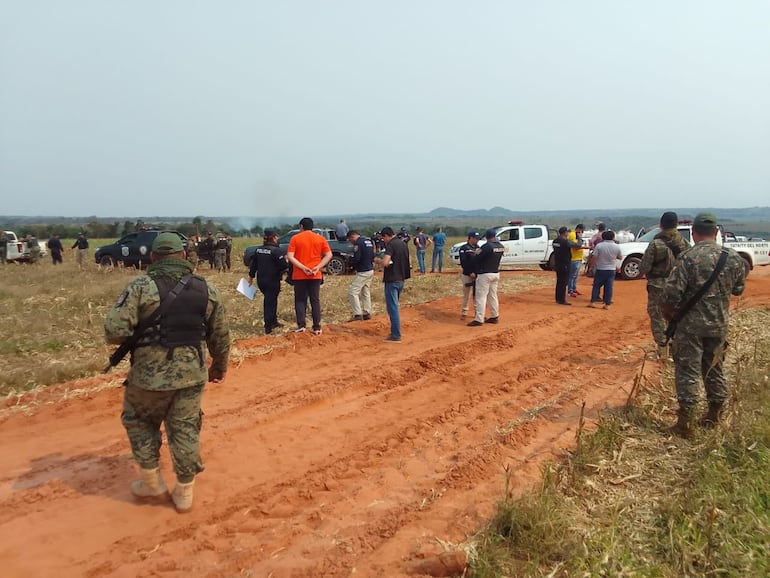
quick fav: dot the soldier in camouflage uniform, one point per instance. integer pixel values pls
(701, 337)
(168, 370)
(657, 262)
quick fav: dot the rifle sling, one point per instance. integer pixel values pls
(697, 296)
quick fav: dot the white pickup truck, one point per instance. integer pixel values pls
(524, 245)
(16, 249)
(753, 253)
(19, 252)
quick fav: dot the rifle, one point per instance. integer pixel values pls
(130, 343)
(679, 312)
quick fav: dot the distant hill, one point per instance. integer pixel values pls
(748, 214)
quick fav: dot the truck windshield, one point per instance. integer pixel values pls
(649, 235)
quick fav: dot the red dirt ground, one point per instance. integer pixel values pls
(336, 455)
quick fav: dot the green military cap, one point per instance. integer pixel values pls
(167, 243)
(707, 219)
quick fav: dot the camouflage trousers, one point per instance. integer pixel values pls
(699, 358)
(219, 259)
(180, 410)
(658, 323)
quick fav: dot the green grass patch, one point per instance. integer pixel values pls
(631, 500)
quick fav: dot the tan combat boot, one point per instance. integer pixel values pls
(151, 485)
(183, 496)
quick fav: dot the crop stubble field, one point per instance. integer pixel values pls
(326, 456)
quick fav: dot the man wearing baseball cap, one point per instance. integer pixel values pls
(467, 254)
(700, 339)
(487, 276)
(168, 365)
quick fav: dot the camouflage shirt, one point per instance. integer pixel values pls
(710, 315)
(658, 260)
(150, 367)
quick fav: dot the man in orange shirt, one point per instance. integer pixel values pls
(308, 253)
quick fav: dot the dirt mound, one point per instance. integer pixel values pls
(328, 454)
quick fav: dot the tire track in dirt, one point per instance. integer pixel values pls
(331, 454)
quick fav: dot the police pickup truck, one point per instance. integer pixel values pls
(342, 251)
(16, 249)
(753, 253)
(132, 250)
(524, 245)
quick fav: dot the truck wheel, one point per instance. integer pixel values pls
(630, 269)
(551, 265)
(746, 266)
(106, 261)
(336, 266)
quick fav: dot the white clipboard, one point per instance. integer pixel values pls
(249, 291)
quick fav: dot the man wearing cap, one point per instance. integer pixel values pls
(81, 244)
(168, 365)
(268, 264)
(576, 260)
(360, 292)
(701, 337)
(487, 277)
(396, 270)
(562, 256)
(657, 262)
(468, 275)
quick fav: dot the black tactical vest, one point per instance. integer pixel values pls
(185, 321)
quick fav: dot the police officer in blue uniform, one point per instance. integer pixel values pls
(487, 278)
(562, 256)
(360, 292)
(268, 265)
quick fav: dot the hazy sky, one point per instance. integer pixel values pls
(245, 107)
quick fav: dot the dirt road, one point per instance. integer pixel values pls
(335, 455)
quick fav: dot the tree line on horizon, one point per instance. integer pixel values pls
(457, 226)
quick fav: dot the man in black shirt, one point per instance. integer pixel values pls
(487, 276)
(56, 249)
(467, 253)
(562, 255)
(396, 269)
(268, 264)
(360, 289)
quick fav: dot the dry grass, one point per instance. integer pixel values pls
(53, 315)
(634, 501)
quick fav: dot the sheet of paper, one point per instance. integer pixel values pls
(250, 291)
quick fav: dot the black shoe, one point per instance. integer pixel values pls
(391, 339)
(475, 323)
(367, 316)
(357, 318)
(492, 320)
(563, 303)
(277, 324)
(268, 330)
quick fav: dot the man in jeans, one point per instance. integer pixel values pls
(576, 263)
(604, 262)
(439, 240)
(421, 242)
(396, 269)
